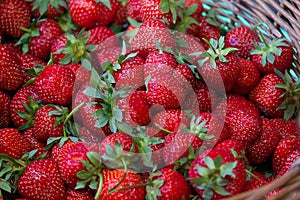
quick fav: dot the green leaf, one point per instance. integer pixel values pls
(83, 175)
(227, 169)
(106, 3)
(81, 184)
(209, 162)
(221, 190)
(95, 158)
(218, 161)
(202, 171)
(192, 9)
(93, 184)
(208, 193)
(4, 185)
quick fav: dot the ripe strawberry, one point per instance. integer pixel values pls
(41, 180)
(285, 147)
(290, 160)
(34, 143)
(28, 62)
(120, 14)
(254, 183)
(168, 184)
(26, 95)
(267, 97)
(207, 31)
(277, 54)
(100, 34)
(224, 65)
(243, 38)
(5, 100)
(106, 13)
(79, 195)
(48, 8)
(69, 162)
(171, 120)
(135, 109)
(47, 88)
(113, 177)
(286, 128)
(46, 124)
(152, 10)
(229, 144)
(90, 10)
(13, 143)
(58, 44)
(249, 77)
(265, 144)
(218, 173)
(14, 14)
(11, 77)
(133, 8)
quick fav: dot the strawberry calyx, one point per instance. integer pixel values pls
(76, 48)
(268, 50)
(186, 19)
(197, 127)
(29, 114)
(291, 96)
(174, 7)
(212, 176)
(216, 51)
(42, 5)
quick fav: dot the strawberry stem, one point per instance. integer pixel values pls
(15, 161)
(99, 190)
(112, 190)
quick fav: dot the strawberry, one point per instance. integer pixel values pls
(28, 62)
(286, 128)
(14, 14)
(70, 163)
(13, 143)
(51, 9)
(207, 31)
(225, 64)
(24, 101)
(265, 144)
(34, 143)
(236, 147)
(47, 88)
(133, 9)
(107, 12)
(135, 109)
(249, 77)
(46, 124)
(216, 174)
(41, 180)
(290, 160)
(276, 54)
(254, 183)
(112, 177)
(99, 34)
(38, 40)
(58, 44)
(11, 77)
(5, 100)
(285, 147)
(79, 195)
(120, 14)
(84, 13)
(243, 38)
(267, 97)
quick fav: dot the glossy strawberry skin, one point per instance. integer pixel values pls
(112, 177)
(133, 9)
(289, 162)
(44, 125)
(69, 162)
(40, 46)
(4, 109)
(265, 144)
(41, 180)
(11, 77)
(242, 38)
(286, 128)
(79, 195)
(14, 14)
(28, 61)
(13, 143)
(47, 88)
(283, 150)
(266, 97)
(58, 44)
(51, 12)
(106, 15)
(99, 34)
(207, 31)
(34, 143)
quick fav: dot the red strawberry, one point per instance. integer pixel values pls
(265, 144)
(50, 9)
(254, 183)
(285, 147)
(243, 38)
(267, 97)
(133, 8)
(84, 13)
(277, 54)
(113, 177)
(286, 128)
(249, 77)
(11, 77)
(200, 9)
(224, 65)
(207, 31)
(229, 144)
(14, 14)
(120, 14)
(46, 125)
(290, 160)
(100, 34)
(34, 143)
(58, 44)
(208, 170)
(41, 180)
(106, 13)
(48, 89)
(69, 162)
(21, 97)
(29, 61)
(13, 143)
(79, 194)
(5, 100)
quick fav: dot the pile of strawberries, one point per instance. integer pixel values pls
(138, 99)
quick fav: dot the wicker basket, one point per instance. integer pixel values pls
(281, 18)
